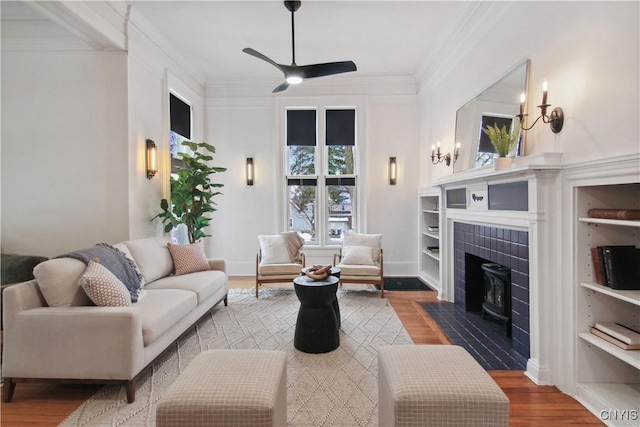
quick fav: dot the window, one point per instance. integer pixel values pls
(180, 127)
(321, 173)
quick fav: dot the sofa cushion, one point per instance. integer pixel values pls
(162, 309)
(188, 258)
(203, 283)
(358, 270)
(279, 269)
(152, 256)
(273, 249)
(103, 288)
(127, 253)
(58, 280)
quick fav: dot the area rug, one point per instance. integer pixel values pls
(404, 284)
(339, 388)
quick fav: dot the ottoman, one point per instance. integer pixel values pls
(437, 385)
(228, 388)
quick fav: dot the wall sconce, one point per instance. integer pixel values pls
(555, 119)
(438, 157)
(152, 159)
(249, 170)
(393, 171)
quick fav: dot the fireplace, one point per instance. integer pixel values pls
(496, 301)
(478, 245)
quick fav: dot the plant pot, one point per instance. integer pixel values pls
(502, 163)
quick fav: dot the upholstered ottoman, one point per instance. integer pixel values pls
(228, 388)
(437, 385)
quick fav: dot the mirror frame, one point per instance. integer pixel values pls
(471, 125)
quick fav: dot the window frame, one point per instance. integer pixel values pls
(321, 105)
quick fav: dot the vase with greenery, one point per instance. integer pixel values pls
(192, 192)
(503, 139)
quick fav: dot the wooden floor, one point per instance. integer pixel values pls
(49, 404)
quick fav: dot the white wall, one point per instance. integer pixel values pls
(588, 52)
(154, 70)
(249, 127)
(64, 157)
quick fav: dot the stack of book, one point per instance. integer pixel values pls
(617, 334)
(433, 249)
(616, 266)
(433, 228)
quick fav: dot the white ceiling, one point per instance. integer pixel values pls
(383, 38)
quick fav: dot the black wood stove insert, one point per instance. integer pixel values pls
(497, 294)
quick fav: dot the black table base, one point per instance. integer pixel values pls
(318, 320)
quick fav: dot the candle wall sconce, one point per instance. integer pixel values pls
(438, 157)
(151, 158)
(555, 119)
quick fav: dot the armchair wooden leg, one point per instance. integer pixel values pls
(9, 388)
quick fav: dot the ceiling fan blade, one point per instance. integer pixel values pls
(284, 86)
(326, 69)
(258, 55)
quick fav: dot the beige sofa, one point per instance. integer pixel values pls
(52, 331)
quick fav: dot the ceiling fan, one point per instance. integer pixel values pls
(294, 74)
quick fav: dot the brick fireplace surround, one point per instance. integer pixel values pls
(509, 248)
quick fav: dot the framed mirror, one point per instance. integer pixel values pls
(498, 104)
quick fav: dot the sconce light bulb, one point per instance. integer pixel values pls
(438, 144)
(457, 145)
(545, 86)
(523, 98)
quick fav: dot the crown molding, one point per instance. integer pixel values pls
(474, 20)
(83, 20)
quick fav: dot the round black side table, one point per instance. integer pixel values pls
(317, 325)
(335, 271)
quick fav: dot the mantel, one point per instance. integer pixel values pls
(522, 165)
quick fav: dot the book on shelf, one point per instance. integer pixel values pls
(433, 228)
(613, 340)
(619, 332)
(621, 266)
(434, 249)
(625, 214)
(598, 266)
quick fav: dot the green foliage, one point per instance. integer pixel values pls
(501, 139)
(192, 192)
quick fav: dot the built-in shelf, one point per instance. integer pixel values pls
(611, 395)
(622, 222)
(632, 357)
(432, 234)
(631, 296)
(429, 202)
(607, 376)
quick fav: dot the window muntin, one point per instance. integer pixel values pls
(321, 209)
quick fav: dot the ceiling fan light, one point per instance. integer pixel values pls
(294, 80)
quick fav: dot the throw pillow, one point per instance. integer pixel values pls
(188, 258)
(295, 243)
(274, 250)
(359, 239)
(357, 255)
(103, 287)
(58, 281)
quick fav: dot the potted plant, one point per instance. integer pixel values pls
(192, 192)
(503, 142)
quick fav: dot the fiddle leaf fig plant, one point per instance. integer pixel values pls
(192, 192)
(502, 140)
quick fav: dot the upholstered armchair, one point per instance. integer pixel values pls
(280, 258)
(361, 259)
